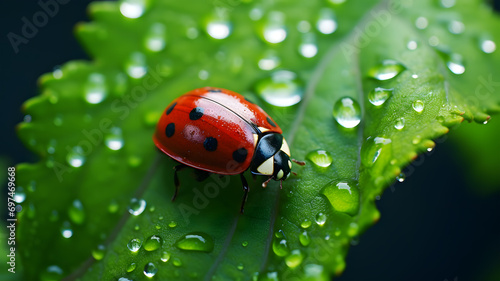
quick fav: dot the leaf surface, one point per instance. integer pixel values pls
(93, 122)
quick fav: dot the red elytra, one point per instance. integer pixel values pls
(219, 131)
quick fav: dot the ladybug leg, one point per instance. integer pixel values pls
(201, 175)
(176, 179)
(246, 189)
(300, 163)
(264, 184)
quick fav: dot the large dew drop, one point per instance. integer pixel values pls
(379, 95)
(196, 241)
(269, 60)
(282, 88)
(418, 106)
(326, 24)
(155, 39)
(388, 69)
(76, 212)
(218, 26)
(133, 8)
(136, 206)
(308, 47)
(136, 65)
(150, 269)
(152, 243)
(76, 157)
(274, 30)
(95, 88)
(347, 112)
(134, 245)
(294, 259)
(114, 140)
(320, 158)
(343, 196)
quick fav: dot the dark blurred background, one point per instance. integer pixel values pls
(434, 226)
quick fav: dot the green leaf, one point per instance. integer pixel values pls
(93, 122)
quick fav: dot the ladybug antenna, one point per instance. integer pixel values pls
(281, 184)
(294, 173)
(264, 184)
(301, 163)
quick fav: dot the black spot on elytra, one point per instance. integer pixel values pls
(170, 130)
(170, 108)
(270, 122)
(210, 144)
(196, 113)
(240, 155)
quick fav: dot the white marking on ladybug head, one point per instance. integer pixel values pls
(285, 148)
(279, 175)
(255, 139)
(267, 168)
(262, 129)
(290, 164)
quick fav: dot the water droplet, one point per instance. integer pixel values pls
(54, 216)
(98, 253)
(418, 106)
(447, 3)
(320, 158)
(455, 63)
(76, 157)
(320, 219)
(304, 239)
(306, 223)
(136, 206)
(113, 206)
(343, 196)
(416, 139)
(76, 212)
(177, 262)
(52, 273)
(308, 47)
(196, 241)
(240, 266)
(172, 224)
(152, 243)
(165, 256)
(150, 269)
(303, 26)
(282, 88)
(488, 46)
(412, 45)
(347, 112)
(372, 148)
(400, 124)
(244, 243)
(131, 267)
(218, 26)
(20, 195)
(326, 24)
(134, 245)
(353, 229)
(95, 88)
(57, 73)
(66, 230)
(155, 39)
(133, 8)
(294, 259)
(337, 232)
(379, 95)
(114, 140)
(274, 28)
(269, 60)
(456, 27)
(136, 66)
(421, 23)
(388, 69)
(136, 227)
(280, 247)
(401, 177)
(256, 14)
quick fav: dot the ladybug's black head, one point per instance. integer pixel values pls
(272, 157)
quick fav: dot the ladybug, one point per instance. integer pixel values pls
(219, 131)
